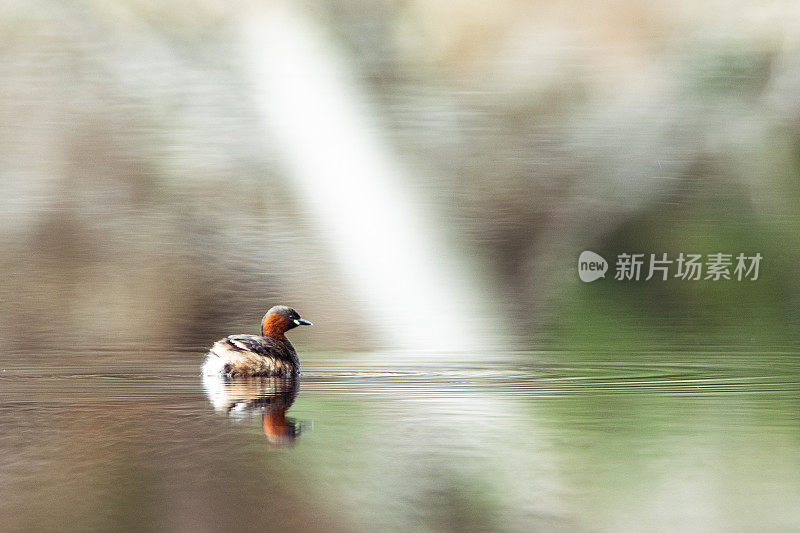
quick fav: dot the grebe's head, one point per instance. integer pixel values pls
(281, 319)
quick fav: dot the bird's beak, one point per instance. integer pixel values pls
(302, 322)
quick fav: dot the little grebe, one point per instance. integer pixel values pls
(268, 354)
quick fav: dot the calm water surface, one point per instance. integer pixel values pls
(367, 442)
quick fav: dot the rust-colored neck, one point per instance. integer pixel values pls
(275, 325)
(275, 424)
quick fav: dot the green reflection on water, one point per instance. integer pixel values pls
(556, 441)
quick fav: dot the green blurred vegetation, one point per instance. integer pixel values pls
(143, 201)
(677, 314)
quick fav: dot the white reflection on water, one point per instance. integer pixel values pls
(245, 397)
(584, 442)
(411, 285)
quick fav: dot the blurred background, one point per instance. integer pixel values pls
(152, 191)
(417, 178)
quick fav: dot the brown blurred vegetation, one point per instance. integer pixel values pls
(142, 203)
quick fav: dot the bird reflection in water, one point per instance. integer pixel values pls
(245, 397)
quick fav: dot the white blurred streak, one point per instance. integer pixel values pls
(409, 284)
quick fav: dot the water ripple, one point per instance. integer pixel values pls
(371, 376)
